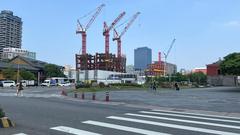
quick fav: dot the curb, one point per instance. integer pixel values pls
(5, 122)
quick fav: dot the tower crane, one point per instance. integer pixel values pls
(118, 37)
(166, 55)
(106, 31)
(82, 30)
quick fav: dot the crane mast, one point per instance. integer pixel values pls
(118, 37)
(108, 29)
(81, 30)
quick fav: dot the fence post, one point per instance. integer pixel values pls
(82, 95)
(93, 96)
(75, 94)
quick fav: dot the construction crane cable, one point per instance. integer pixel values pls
(127, 20)
(88, 14)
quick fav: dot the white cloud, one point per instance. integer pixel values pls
(233, 24)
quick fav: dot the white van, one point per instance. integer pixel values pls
(8, 83)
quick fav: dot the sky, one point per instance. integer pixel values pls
(205, 30)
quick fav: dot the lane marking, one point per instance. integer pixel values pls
(73, 131)
(187, 116)
(186, 121)
(227, 117)
(124, 128)
(174, 126)
(20, 134)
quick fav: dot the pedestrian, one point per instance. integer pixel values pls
(154, 86)
(176, 86)
(151, 86)
(19, 89)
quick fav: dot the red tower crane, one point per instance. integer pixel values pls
(82, 30)
(107, 29)
(118, 37)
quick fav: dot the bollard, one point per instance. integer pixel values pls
(75, 95)
(83, 95)
(64, 93)
(107, 96)
(93, 96)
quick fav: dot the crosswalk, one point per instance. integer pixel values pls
(155, 122)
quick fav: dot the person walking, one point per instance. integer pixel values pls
(154, 86)
(176, 86)
(19, 89)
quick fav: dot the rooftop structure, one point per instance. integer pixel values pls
(9, 53)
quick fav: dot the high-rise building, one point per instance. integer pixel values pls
(10, 30)
(142, 58)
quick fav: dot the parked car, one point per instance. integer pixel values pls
(64, 84)
(49, 83)
(23, 84)
(8, 83)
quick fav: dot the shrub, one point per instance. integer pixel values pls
(101, 85)
(82, 85)
(127, 84)
(2, 114)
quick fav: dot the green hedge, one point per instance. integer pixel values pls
(2, 114)
(127, 84)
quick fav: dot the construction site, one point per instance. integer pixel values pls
(160, 67)
(86, 62)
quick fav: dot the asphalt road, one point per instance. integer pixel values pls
(57, 115)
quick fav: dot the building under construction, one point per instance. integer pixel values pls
(103, 61)
(99, 61)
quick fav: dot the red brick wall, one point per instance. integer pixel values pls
(212, 70)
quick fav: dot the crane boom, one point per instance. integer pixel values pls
(94, 16)
(118, 37)
(129, 24)
(107, 29)
(166, 56)
(170, 48)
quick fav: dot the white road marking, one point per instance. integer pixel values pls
(20, 134)
(210, 131)
(187, 116)
(186, 121)
(124, 128)
(208, 115)
(73, 131)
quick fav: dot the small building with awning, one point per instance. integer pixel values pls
(22, 63)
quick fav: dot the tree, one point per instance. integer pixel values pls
(52, 70)
(27, 75)
(178, 77)
(231, 64)
(9, 74)
(198, 77)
